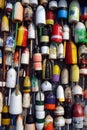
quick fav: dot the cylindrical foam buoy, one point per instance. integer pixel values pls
(66, 32)
(56, 73)
(65, 76)
(40, 117)
(68, 94)
(59, 111)
(53, 5)
(80, 33)
(11, 78)
(27, 84)
(74, 11)
(25, 2)
(28, 14)
(31, 31)
(35, 84)
(34, 3)
(40, 15)
(2, 4)
(74, 73)
(62, 9)
(60, 51)
(57, 33)
(53, 51)
(30, 122)
(48, 125)
(49, 17)
(25, 56)
(83, 14)
(22, 36)
(39, 105)
(26, 100)
(15, 103)
(5, 24)
(17, 13)
(71, 53)
(19, 123)
(47, 69)
(1, 102)
(46, 86)
(9, 8)
(77, 90)
(50, 101)
(5, 121)
(78, 114)
(60, 94)
(59, 121)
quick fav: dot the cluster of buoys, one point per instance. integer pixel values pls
(43, 64)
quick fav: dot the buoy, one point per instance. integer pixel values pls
(15, 103)
(77, 90)
(74, 73)
(17, 13)
(5, 120)
(80, 33)
(27, 85)
(25, 56)
(28, 14)
(5, 24)
(57, 33)
(30, 121)
(46, 86)
(56, 73)
(48, 125)
(22, 36)
(53, 5)
(26, 100)
(19, 123)
(60, 51)
(78, 114)
(40, 117)
(74, 11)
(59, 111)
(50, 101)
(11, 78)
(59, 121)
(39, 103)
(49, 17)
(62, 9)
(2, 4)
(64, 76)
(46, 69)
(25, 2)
(60, 94)
(71, 53)
(53, 51)
(35, 84)
(40, 15)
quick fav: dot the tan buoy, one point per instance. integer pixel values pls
(68, 94)
(26, 100)
(15, 103)
(25, 2)
(59, 111)
(65, 76)
(1, 102)
(17, 13)
(19, 123)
